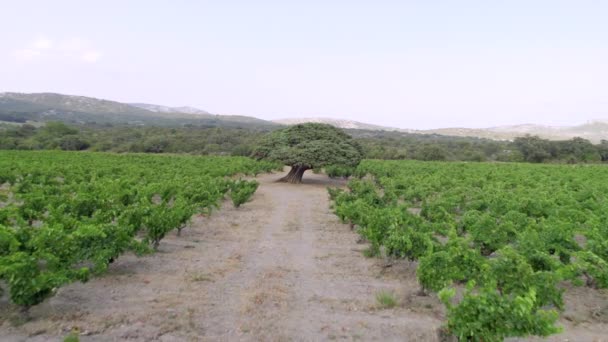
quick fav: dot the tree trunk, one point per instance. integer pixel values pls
(295, 175)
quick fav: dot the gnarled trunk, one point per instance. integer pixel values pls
(295, 175)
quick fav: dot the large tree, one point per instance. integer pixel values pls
(309, 146)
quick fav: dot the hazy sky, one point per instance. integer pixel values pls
(411, 64)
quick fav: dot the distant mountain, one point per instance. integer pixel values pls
(165, 109)
(40, 107)
(190, 110)
(593, 131)
(59, 102)
(20, 107)
(340, 123)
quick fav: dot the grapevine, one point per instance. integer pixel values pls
(512, 234)
(66, 217)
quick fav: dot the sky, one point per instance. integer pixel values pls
(409, 64)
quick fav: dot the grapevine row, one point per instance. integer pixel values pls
(65, 217)
(497, 242)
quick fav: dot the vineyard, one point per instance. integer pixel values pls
(64, 217)
(496, 246)
(498, 243)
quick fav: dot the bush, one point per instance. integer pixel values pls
(485, 315)
(73, 143)
(335, 171)
(241, 191)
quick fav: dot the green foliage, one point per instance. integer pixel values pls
(74, 213)
(125, 138)
(224, 136)
(73, 143)
(158, 221)
(485, 315)
(407, 243)
(431, 152)
(591, 267)
(241, 191)
(436, 271)
(311, 146)
(386, 299)
(576, 150)
(513, 233)
(339, 171)
(486, 233)
(72, 337)
(455, 262)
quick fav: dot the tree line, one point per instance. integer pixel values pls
(205, 140)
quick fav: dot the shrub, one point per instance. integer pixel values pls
(386, 299)
(241, 191)
(335, 171)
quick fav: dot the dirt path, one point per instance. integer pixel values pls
(280, 268)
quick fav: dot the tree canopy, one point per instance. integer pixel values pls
(242, 142)
(309, 146)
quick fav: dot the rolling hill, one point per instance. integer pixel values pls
(340, 123)
(40, 107)
(594, 131)
(165, 109)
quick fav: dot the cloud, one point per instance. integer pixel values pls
(70, 49)
(73, 45)
(26, 54)
(90, 56)
(42, 44)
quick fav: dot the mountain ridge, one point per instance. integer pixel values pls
(340, 123)
(594, 130)
(166, 109)
(23, 107)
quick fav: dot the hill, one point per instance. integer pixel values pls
(40, 107)
(165, 109)
(340, 123)
(594, 131)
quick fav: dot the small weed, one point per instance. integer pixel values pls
(386, 299)
(200, 277)
(72, 337)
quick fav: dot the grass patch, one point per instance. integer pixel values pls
(72, 337)
(386, 299)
